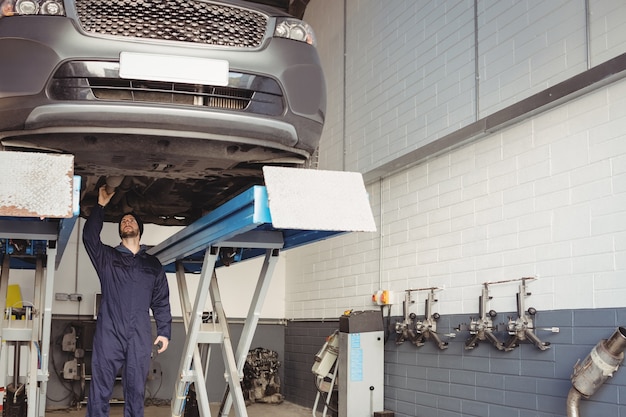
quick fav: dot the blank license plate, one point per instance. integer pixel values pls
(171, 68)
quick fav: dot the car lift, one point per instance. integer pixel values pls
(294, 208)
(38, 210)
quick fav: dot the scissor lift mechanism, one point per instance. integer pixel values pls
(296, 207)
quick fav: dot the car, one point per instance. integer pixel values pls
(176, 104)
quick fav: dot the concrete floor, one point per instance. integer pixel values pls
(285, 409)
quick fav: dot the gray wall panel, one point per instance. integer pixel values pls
(428, 382)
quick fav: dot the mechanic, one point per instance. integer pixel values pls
(132, 282)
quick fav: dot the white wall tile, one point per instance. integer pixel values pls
(542, 197)
(608, 38)
(523, 48)
(561, 224)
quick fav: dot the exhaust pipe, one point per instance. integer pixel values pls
(113, 182)
(603, 360)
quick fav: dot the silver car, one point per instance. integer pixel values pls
(178, 104)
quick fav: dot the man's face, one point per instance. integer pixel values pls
(129, 227)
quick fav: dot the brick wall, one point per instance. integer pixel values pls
(544, 197)
(486, 382)
(303, 340)
(483, 382)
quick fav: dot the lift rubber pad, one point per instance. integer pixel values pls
(36, 185)
(307, 199)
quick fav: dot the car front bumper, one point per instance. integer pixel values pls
(41, 47)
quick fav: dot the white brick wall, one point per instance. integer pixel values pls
(525, 47)
(608, 37)
(522, 202)
(407, 76)
(410, 68)
(330, 44)
(545, 197)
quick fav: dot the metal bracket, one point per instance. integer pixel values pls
(523, 328)
(481, 328)
(519, 329)
(419, 331)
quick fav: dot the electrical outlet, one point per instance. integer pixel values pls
(76, 297)
(61, 296)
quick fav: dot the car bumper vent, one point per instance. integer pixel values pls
(182, 21)
(227, 98)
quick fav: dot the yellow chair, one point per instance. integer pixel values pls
(14, 297)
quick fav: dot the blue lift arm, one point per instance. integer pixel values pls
(254, 224)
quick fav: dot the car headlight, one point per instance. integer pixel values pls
(295, 29)
(32, 7)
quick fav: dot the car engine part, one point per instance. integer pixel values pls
(601, 363)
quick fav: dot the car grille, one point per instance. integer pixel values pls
(181, 21)
(226, 98)
(84, 81)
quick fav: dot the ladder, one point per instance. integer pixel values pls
(295, 207)
(38, 210)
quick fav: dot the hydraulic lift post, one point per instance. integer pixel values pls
(29, 331)
(186, 311)
(38, 210)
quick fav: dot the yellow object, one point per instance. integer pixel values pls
(382, 297)
(14, 296)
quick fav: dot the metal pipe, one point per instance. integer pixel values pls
(603, 360)
(617, 343)
(573, 400)
(16, 362)
(113, 182)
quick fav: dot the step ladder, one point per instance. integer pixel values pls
(295, 207)
(38, 210)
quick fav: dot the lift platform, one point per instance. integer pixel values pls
(38, 210)
(295, 207)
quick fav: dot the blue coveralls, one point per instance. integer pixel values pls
(131, 285)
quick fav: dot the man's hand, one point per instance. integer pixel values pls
(104, 196)
(163, 341)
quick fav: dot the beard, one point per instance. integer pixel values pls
(129, 234)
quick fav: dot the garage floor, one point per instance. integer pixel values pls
(284, 409)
